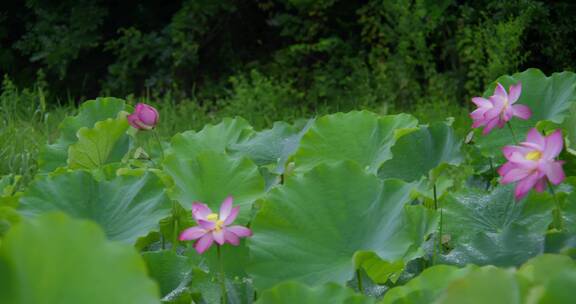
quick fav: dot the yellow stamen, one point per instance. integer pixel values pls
(213, 217)
(533, 155)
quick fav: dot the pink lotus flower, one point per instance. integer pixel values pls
(214, 227)
(145, 117)
(499, 108)
(533, 163)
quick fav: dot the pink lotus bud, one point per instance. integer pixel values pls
(145, 117)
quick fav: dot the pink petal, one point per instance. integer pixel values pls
(192, 233)
(478, 123)
(509, 150)
(540, 185)
(225, 208)
(208, 225)
(505, 168)
(500, 91)
(519, 160)
(554, 145)
(490, 125)
(148, 115)
(535, 137)
(481, 102)
(507, 114)
(231, 238)
(496, 110)
(204, 243)
(218, 236)
(478, 113)
(232, 216)
(525, 185)
(521, 111)
(515, 91)
(139, 107)
(133, 121)
(515, 175)
(240, 231)
(200, 211)
(555, 173)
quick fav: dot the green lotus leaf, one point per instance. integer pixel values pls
(483, 285)
(106, 143)
(538, 280)
(492, 228)
(363, 137)
(427, 286)
(92, 111)
(569, 213)
(570, 128)
(210, 177)
(272, 146)
(378, 270)
(310, 228)
(417, 153)
(549, 98)
(294, 292)
(126, 207)
(8, 217)
(9, 194)
(215, 138)
(172, 272)
(55, 259)
(560, 289)
(541, 269)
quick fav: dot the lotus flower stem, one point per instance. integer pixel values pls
(359, 280)
(438, 246)
(557, 213)
(159, 144)
(492, 171)
(512, 131)
(175, 228)
(222, 276)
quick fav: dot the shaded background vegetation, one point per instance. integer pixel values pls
(199, 60)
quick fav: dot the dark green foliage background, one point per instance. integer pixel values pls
(302, 54)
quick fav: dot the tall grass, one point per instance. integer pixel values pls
(29, 121)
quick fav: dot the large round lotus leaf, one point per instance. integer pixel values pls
(215, 138)
(569, 213)
(549, 98)
(126, 207)
(483, 285)
(363, 137)
(418, 152)
(55, 259)
(211, 177)
(272, 146)
(492, 228)
(427, 286)
(107, 142)
(309, 229)
(541, 269)
(570, 128)
(560, 289)
(172, 272)
(91, 112)
(293, 292)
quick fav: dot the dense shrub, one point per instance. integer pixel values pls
(319, 55)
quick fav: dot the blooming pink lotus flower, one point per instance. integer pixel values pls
(499, 108)
(533, 162)
(145, 117)
(214, 227)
